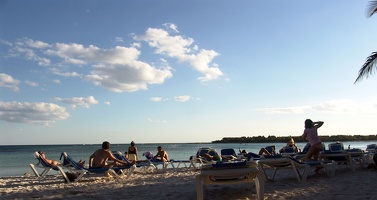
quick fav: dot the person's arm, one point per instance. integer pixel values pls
(137, 157)
(305, 134)
(318, 124)
(112, 157)
(91, 160)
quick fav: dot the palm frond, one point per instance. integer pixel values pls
(372, 8)
(368, 67)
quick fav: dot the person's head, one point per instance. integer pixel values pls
(244, 151)
(105, 145)
(42, 154)
(132, 143)
(291, 142)
(309, 123)
(159, 148)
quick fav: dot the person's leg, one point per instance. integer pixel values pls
(264, 151)
(310, 153)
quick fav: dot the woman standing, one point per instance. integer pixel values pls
(132, 152)
(311, 134)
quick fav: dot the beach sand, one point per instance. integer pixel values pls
(180, 184)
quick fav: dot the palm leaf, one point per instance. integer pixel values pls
(368, 68)
(372, 8)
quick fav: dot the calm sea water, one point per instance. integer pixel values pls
(15, 160)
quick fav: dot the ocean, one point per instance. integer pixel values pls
(15, 159)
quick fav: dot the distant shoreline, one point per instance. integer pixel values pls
(271, 139)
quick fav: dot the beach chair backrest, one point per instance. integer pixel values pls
(72, 162)
(288, 150)
(228, 152)
(371, 147)
(148, 155)
(336, 147)
(306, 148)
(271, 149)
(202, 151)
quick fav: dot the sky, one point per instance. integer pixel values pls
(82, 72)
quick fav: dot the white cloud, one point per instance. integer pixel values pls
(180, 48)
(340, 106)
(107, 102)
(36, 44)
(171, 26)
(119, 39)
(157, 121)
(57, 81)
(9, 82)
(31, 83)
(156, 99)
(183, 98)
(119, 69)
(33, 113)
(23, 48)
(78, 101)
(58, 72)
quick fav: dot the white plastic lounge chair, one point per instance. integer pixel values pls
(278, 162)
(149, 156)
(74, 167)
(371, 148)
(184, 163)
(231, 173)
(198, 160)
(369, 152)
(142, 166)
(342, 158)
(229, 154)
(46, 168)
(358, 156)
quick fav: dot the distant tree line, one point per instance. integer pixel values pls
(270, 138)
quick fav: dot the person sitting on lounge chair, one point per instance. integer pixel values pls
(161, 156)
(269, 150)
(100, 157)
(290, 144)
(47, 160)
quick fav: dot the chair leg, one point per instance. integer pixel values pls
(34, 170)
(199, 188)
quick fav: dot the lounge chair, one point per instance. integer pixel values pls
(149, 156)
(46, 168)
(338, 155)
(200, 160)
(223, 173)
(279, 162)
(142, 165)
(80, 171)
(228, 154)
(371, 148)
(369, 152)
(358, 156)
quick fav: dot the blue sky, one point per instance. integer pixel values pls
(75, 72)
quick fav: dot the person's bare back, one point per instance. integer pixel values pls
(100, 158)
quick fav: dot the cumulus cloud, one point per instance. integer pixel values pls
(156, 99)
(119, 39)
(340, 106)
(33, 113)
(78, 101)
(9, 82)
(31, 83)
(119, 69)
(181, 48)
(157, 121)
(183, 98)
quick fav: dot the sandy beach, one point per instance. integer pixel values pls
(180, 184)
